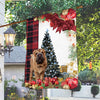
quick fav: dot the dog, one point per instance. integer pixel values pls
(38, 64)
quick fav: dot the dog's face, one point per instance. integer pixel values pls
(39, 55)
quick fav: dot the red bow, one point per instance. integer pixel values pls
(60, 24)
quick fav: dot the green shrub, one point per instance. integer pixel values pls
(95, 90)
(87, 76)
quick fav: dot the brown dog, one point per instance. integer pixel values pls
(38, 64)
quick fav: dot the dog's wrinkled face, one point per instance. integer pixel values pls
(39, 55)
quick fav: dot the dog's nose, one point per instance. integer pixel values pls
(39, 55)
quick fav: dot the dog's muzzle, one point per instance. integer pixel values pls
(39, 58)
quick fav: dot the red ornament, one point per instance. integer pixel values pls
(56, 82)
(63, 83)
(32, 83)
(46, 84)
(47, 79)
(73, 83)
(67, 80)
(53, 80)
(39, 82)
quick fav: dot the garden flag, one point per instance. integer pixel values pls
(32, 43)
(51, 60)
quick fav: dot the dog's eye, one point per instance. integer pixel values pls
(41, 52)
(35, 53)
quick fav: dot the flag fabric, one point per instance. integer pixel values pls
(32, 43)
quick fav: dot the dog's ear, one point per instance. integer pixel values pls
(44, 51)
(34, 51)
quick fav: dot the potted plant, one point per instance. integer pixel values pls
(95, 90)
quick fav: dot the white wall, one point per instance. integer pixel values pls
(15, 72)
(2, 14)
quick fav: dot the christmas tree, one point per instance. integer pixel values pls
(52, 68)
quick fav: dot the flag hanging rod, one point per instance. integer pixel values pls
(12, 23)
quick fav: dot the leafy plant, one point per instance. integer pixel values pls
(9, 91)
(87, 76)
(95, 90)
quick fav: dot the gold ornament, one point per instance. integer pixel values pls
(75, 72)
(71, 63)
(66, 87)
(30, 87)
(65, 12)
(35, 19)
(60, 79)
(33, 86)
(26, 84)
(74, 35)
